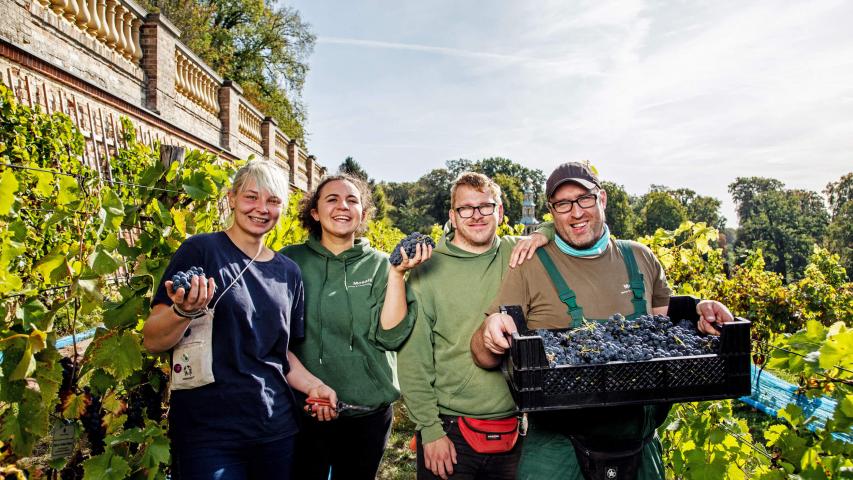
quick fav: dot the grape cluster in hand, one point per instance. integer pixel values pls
(183, 279)
(620, 340)
(410, 244)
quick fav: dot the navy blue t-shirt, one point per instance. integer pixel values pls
(250, 401)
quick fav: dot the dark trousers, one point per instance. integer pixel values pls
(351, 447)
(241, 462)
(470, 464)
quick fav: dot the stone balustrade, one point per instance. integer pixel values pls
(195, 82)
(249, 122)
(114, 23)
(99, 60)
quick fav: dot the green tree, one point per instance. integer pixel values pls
(660, 210)
(839, 236)
(261, 46)
(380, 201)
(620, 215)
(352, 167)
(783, 223)
(839, 193)
(512, 195)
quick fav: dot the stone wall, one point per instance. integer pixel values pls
(99, 60)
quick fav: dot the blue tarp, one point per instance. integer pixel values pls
(771, 394)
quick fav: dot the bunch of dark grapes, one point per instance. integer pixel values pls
(410, 245)
(68, 380)
(144, 401)
(154, 397)
(184, 279)
(621, 340)
(93, 423)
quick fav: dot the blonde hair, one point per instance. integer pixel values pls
(267, 176)
(478, 182)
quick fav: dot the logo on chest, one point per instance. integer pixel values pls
(361, 283)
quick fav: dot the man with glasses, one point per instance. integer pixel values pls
(438, 378)
(587, 275)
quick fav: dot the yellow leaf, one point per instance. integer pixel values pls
(74, 406)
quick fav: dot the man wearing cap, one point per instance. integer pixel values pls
(587, 275)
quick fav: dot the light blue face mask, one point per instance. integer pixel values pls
(597, 249)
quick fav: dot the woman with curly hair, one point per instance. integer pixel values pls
(357, 312)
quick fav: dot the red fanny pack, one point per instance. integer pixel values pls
(489, 436)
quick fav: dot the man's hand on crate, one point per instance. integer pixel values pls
(711, 314)
(491, 340)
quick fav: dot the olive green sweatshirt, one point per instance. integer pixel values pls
(437, 373)
(345, 344)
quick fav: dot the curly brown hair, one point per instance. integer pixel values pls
(309, 202)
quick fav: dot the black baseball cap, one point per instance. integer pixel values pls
(578, 172)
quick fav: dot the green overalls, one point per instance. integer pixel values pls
(548, 451)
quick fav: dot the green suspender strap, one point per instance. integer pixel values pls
(567, 295)
(635, 279)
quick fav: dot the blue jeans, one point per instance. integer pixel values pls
(238, 462)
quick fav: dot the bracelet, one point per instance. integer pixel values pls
(184, 314)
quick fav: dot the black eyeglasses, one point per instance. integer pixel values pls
(485, 210)
(584, 201)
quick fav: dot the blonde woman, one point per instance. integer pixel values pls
(243, 425)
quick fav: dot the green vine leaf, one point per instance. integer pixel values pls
(837, 351)
(102, 262)
(124, 315)
(8, 187)
(69, 190)
(118, 355)
(106, 466)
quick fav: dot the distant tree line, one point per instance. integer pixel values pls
(784, 223)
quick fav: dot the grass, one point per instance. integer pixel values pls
(399, 462)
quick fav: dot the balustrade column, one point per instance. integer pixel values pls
(128, 20)
(82, 18)
(94, 23)
(103, 31)
(111, 26)
(137, 44)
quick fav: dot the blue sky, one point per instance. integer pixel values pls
(682, 93)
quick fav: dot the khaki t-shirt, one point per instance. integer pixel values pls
(600, 283)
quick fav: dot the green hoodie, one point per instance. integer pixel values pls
(345, 345)
(437, 374)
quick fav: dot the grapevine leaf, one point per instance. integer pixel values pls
(101, 381)
(69, 190)
(125, 314)
(52, 266)
(9, 282)
(49, 376)
(106, 466)
(180, 220)
(837, 351)
(8, 187)
(102, 262)
(14, 433)
(112, 211)
(811, 457)
(716, 436)
(73, 406)
(156, 453)
(199, 186)
(26, 366)
(44, 185)
(119, 355)
(89, 288)
(132, 435)
(34, 313)
(846, 405)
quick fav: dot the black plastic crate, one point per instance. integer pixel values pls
(536, 386)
